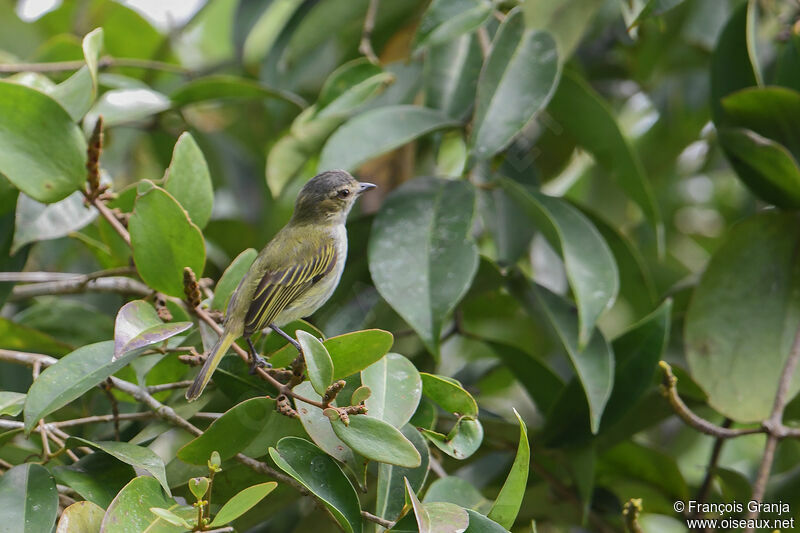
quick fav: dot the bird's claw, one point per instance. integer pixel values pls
(258, 362)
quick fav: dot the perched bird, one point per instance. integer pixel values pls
(295, 273)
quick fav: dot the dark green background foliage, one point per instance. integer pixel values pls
(569, 192)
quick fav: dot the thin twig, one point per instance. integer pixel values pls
(705, 488)
(484, 41)
(365, 46)
(5, 464)
(388, 524)
(105, 62)
(119, 285)
(168, 386)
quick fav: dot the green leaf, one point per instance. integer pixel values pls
(378, 131)
(266, 28)
(437, 517)
(350, 86)
(318, 362)
(32, 124)
(28, 499)
(566, 21)
(654, 8)
(138, 326)
(188, 180)
(242, 502)
(518, 79)
(445, 20)
(583, 114)
(97, 477)
(506, 506)
(71, 377)
(35, 221)
(227, 87)
(463, 440)
(14, 336)
(164, 241)
(11, 403)
(169, 516)
(769, 111)
(377, 440)
(396, 389)
(590, 266)
(231, 277)
(81, 517)
(742, 317)
(130, 511)
(124, 106)
(136, 456)
(451, 75)
(390, 485)
(321, 475)
(480, 524)
(731, 68)
(421, 256)
(452, 489)
(77, 93)
(198, 486)
(449, 394)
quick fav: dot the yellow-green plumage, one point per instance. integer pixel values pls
(296, 272)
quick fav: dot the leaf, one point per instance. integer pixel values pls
(566, 21)
(437, 517)
(452, 489)
(231, 277)
(130, 511)
(320, 474)
(35, 221)
(378, 131)
(123, 106)
(377, 440)
(451, 75)
(421, 257)
(654, 8)
(77, 93)
(242, 502)
(480, 524)
(518, 79)
(587, 118)
(266, 28)
(318, 362)
(731, 68)
(28, 499)
(188, 180)
(169, 516)
(14, 336)
(349, 87)
(508, 502)
(138, 326)
(32, 124)
(396, 389)
(227, 87)
(136, 456)
(11, 403)
(463, 440)
(742, 318)
(164, 241)
(589, 263)
(71, 377)
(449, 394)
(97, 477)
(390, 485)
(769, 111)
(81, 517)
(445, 20)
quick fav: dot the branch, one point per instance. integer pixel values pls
(388, 524)
(120, 285)
(705, 488)
(365, 46)
(105, 62)
(630, 515)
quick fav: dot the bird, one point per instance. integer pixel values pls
(295, 273)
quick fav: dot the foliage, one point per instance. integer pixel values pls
(571, 302)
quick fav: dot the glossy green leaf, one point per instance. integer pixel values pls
(463, 440)
(451, 75)
(136, 456)
(77, 93)
(266, 28)
(11, 403)
(445, 20)
(742, 317)
(769, 111)
(377, 441)
(35, 221)
(28, 499)
(318, 362)
(97, 477)
(227, 87)
(437, 517)
(566, 21)
(421, 257)
(583, 114)
(591, 270)
(125, 106)
(518, 80)
(14, 336)
(170, 517)
(231, 277)
(320, 474)
(349, 87)
(655, 8)
(242, 502)
(731, 68)
(452, 489)
(32, 124)
(377, 131)
(449, 394)
(138, 326)
(390, 485)
(130, 511)
(81, 517)
(395, 387)
(188, 180)
(481, 524)
(164, 241)
(508, 502)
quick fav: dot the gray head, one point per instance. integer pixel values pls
(328, 197)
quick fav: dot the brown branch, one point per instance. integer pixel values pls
(365, 46)
(112, 219)
(105, 62)
(168, 386)
(705, 488)
(118, 285)
(388, 524)
(41, 277)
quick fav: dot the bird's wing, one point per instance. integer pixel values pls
(281, 286)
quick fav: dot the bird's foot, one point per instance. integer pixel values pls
(258, 362)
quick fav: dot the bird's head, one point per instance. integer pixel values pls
(328, 197)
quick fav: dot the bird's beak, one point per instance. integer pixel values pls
(363, 187)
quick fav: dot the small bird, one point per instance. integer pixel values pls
(295, 273)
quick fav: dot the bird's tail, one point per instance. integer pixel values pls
(213, 359)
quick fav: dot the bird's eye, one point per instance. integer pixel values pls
(344, 193)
